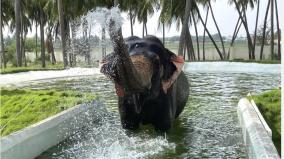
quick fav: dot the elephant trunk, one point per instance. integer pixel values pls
(125, 73)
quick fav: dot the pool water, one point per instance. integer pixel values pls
(207, 128)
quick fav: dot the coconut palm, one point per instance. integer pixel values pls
(203, 43)
(185, 20)
(166, 8)
(7, 19)
(272, 28)
(18, 32)
(196, 35)
(217, 27)
(278, 30)
(2, 52)
(145, 10)
(264, 30)
(210, 36)
(62, 32)
(241, 7)
(256, 23)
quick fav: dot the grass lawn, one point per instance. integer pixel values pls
(23, 107)
(269, 104)
(11, 69)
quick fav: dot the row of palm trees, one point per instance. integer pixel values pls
(55, 18)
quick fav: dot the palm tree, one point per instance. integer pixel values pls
(62, 32)
(2, 52)
(216, 25)
(18, 32)
(145, 10)
(272, 28)
(278, 30)
(203, 44)
(242, 6)
(264, 30)
(41, 26)
(210, 36)
(196, 34)
(256, 23)
(235, 34)
(184, 28)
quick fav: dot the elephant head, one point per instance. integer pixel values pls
(152, 65)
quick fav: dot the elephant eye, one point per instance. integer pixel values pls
(136, 45)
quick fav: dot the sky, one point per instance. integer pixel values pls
(226, 17)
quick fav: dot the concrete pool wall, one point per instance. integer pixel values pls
(32, 141)
(256, 133)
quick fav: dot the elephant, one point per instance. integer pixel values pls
(149, 82)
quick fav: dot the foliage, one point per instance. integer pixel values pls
(23, 107)
(269, 104)
(259, 35)
(30, 45)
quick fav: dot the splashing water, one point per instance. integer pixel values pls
(104, 16)
(104, 138)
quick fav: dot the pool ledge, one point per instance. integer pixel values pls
(256, 133)
(32, 141)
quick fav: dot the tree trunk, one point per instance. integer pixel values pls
(278, 30)
(22, 42)
(2, 50)
(189, 45)
(203, 45)
(184, 26)
(211, 38)
(143, 30)
(131, 22)
(264, 30)
(49, 46)
(36, 25)
(42, 54)
(246, 29)
(219, 33)
(272, 29)
(63, 32)
(103, 42)
(86, 43)
(256, 24)
(23, 50)
(146, 32)
(18, 32)
(235, 34)
(163, 33)
(196, 34)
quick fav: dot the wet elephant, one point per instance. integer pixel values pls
(149, 82)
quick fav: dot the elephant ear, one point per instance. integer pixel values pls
(172, 71)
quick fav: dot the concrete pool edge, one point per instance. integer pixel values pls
(257, 137)
(37, 138)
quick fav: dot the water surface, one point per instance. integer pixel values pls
(208, 127)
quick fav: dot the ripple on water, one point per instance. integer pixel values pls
(208, 127)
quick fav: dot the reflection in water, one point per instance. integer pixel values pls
(208, 127)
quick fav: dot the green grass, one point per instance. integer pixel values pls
(269, 104)
(11, 69)
(23, 107)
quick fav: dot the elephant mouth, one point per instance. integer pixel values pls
(144, 69)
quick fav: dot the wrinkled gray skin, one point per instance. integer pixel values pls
(144, 100)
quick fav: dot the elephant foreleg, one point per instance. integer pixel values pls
(129, 118)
